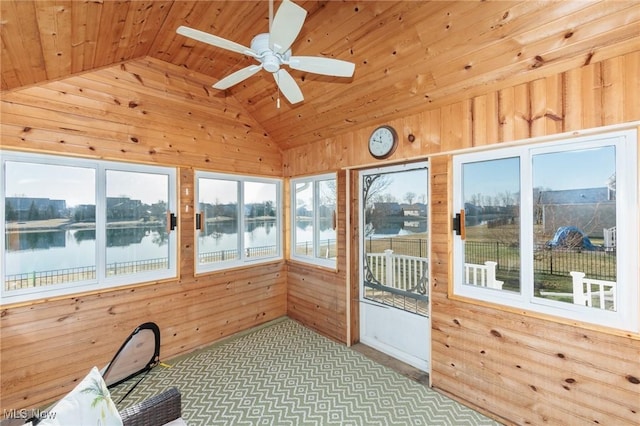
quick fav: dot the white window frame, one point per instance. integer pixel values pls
(101, 282)
(315, 258)
(243, 259)
(626, 316)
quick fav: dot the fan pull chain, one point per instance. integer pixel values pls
(278, 90)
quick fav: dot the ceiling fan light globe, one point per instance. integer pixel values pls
(271, 63)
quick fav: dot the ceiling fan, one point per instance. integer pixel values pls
(273, 50)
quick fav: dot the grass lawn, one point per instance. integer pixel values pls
(551, 267)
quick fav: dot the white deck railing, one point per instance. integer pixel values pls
(585, 290)
(482, 275)
(399, 271)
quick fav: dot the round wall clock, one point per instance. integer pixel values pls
(383, 142)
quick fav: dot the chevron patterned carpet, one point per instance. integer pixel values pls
(286, 374)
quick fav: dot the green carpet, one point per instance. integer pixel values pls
(286, 374)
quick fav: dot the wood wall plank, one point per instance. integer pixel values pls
(631, 85)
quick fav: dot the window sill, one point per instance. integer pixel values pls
(302, 263)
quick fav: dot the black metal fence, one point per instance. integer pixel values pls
(597, 264)
(82, 273)
(408, 246)
(327, 248)
(233, 254)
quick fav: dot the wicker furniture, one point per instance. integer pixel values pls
(155, 411)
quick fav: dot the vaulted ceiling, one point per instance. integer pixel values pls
(409, 55)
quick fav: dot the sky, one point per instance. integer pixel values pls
(226, 191)
(402, 182)
(589, 168)
(76, 185)
(574, 169)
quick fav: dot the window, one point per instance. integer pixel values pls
(540, 228)
(313, 216)
(238, 220)
(75, 225)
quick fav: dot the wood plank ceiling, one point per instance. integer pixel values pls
(409, 55)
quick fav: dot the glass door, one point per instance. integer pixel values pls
(394, 270)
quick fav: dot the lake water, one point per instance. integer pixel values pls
(67, 249)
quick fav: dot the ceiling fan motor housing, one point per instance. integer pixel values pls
(270, 60)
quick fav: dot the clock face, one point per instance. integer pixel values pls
(382, 142)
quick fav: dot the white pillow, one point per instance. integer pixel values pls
(89, 403)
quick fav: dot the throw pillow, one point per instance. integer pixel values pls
(89, 403)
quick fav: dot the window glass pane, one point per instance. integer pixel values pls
(314, 220)
(395, 238)
(218, 238)
(303, 199)
(260, 214)
(491, 194)
(574, 195)
(136, 215)
(50, 225)
(326, 236)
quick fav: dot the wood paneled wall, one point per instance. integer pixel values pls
(149, 112)
(521, 367)
(317, 296)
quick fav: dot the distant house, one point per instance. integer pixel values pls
(416, 209)
(589, 209)
(388, 209)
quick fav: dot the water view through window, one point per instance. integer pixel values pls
(51, 217)
(491, 193)
(395, 237)
(238, 220)
(50, 224)
(137, 234)
(314, 219)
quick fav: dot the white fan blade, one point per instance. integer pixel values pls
(286, 26)
(288, 86)
(215, 41)
(237, 77)
(324, 66)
